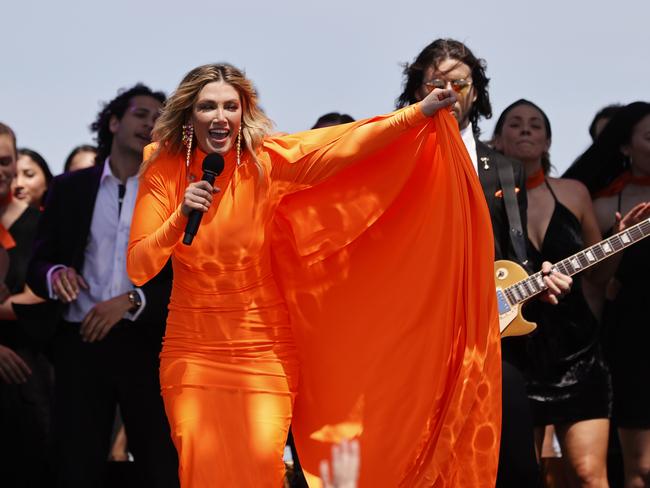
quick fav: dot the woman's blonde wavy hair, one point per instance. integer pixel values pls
(177, 111)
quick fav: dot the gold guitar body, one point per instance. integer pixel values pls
(511, 321)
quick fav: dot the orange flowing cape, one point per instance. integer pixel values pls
(387, 269)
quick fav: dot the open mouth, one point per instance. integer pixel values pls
(219, 136)
(144, 138)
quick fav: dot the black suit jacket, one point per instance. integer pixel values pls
(62, 236)
(487, 171)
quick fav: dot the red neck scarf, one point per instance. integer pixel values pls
(536, 179)
(625, 178)
(6, 240)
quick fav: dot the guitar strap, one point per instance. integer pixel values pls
(507, 178)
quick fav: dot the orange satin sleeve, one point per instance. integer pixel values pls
(307, 158)
(157, 224)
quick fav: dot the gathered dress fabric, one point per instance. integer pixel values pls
(346, 288)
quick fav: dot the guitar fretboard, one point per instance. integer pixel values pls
(534, 284)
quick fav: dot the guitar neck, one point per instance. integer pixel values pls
(534, 285)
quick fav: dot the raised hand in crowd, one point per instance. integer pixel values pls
(637, 214)
(344, 471)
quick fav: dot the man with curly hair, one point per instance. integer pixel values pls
(448, 63)
(109, 335)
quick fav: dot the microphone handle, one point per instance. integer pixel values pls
(194, 219)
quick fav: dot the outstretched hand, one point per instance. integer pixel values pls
(638, 214)
(436, 100)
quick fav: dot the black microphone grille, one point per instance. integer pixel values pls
(213, 163)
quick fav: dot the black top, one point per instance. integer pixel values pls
(23, 231)
(562, 364)
(628, 333)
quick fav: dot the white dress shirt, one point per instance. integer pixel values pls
(467, 134)
(104, 266)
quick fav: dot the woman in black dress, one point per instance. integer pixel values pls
(25, 375)
(616, 169)
(567, 380)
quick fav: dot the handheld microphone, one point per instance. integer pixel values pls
(212, 167)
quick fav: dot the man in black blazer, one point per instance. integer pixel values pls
(109, 336)
(447, 63)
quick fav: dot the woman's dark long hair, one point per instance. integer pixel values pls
(433, 55)
(599, 165)
(40, 162)
(498, 128)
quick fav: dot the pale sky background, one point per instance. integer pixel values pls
(60, 59)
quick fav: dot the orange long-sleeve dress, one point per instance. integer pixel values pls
(348, 286)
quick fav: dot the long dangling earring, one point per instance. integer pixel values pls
(239, 147)
(188, 135)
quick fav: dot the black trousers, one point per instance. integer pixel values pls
(518, 466)
(91, 379)
(25, 426)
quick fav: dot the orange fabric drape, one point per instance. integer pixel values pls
(379, 245)
(624, 179)
(397, 330)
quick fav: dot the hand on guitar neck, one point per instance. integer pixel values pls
(515, 287)
(558, 284)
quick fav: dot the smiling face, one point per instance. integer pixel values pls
(523, 135)
(216, 116)
(132, 132)
(30, 183)
(7, 164)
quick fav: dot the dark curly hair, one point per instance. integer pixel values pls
(433, 55)
(117, 107)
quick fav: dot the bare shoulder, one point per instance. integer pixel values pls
(570, 190)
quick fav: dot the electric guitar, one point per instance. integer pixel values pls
(515, 287)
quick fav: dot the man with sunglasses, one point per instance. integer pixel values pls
(447, 63)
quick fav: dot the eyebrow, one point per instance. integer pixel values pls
(134, 108)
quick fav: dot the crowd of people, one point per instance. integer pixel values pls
(341, 284)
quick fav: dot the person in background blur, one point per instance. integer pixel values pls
(25, 374)
(80, 157)
(33, 176)
(616, 170)
(602, 117)
(331, 119)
